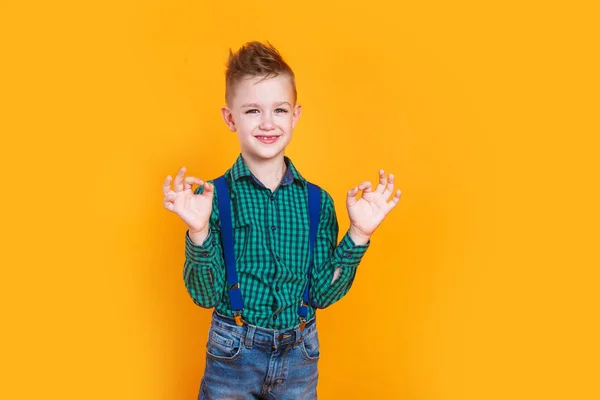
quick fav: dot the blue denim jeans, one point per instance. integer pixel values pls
(251, 362)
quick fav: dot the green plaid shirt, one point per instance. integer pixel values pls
(271, 235)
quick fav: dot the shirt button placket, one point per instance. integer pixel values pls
(274, 243)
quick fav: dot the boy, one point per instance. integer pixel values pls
(263, 340)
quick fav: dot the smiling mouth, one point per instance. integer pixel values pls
(267, 139)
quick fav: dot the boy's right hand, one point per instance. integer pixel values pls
(194, 209)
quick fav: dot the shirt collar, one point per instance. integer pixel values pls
(240, 169)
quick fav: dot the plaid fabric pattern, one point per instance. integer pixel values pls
(271, 234)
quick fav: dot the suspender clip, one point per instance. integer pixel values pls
(302, 323)
(237, 315)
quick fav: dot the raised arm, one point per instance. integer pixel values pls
(204, 265)
(335, 263)
(203, 272)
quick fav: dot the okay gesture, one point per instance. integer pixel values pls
(370, 209)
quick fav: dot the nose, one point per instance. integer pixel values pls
(266, 123)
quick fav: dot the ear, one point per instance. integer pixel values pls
(296, 115)
(228, 118)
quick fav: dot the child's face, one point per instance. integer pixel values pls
(264, 108)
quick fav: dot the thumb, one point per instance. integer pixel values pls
(205, 188)
(351, 197)
(209, 188)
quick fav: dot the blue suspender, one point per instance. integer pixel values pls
(314, 211)
(235, 294)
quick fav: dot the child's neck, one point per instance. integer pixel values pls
(269, 172)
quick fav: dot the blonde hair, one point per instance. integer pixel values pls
(255, 59)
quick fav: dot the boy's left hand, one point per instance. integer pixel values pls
(370, 209)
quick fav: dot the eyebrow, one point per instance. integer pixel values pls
(258, 105)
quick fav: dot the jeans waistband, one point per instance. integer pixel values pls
(276, 337)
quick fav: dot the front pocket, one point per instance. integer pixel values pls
(223, 345)
(310, 346)
(222, 340)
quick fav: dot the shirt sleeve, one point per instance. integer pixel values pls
(329, 255)
(204, 265)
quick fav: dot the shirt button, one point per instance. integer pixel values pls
(274, 317)
(347, 255)
(277, 257)
(272, 197)
(273, 227)
(204, 254)
(277, 288)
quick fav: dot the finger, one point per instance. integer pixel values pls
(395, 200)
(166, 188)
(363, 185)
(188, 181)
(351, 196)
(168, 201)
(366, 187)
(382, 182)
(169, 206)
(171, 196)
(390, 186)
(208, 188)
(179, 180)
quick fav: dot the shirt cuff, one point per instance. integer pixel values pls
(349, 252)
(202, 254)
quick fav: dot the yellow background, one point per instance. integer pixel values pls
(484, 278)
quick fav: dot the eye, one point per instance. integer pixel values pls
(281, 110)
(251, 111)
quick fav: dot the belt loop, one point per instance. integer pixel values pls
(250, 335)
(298, 335)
